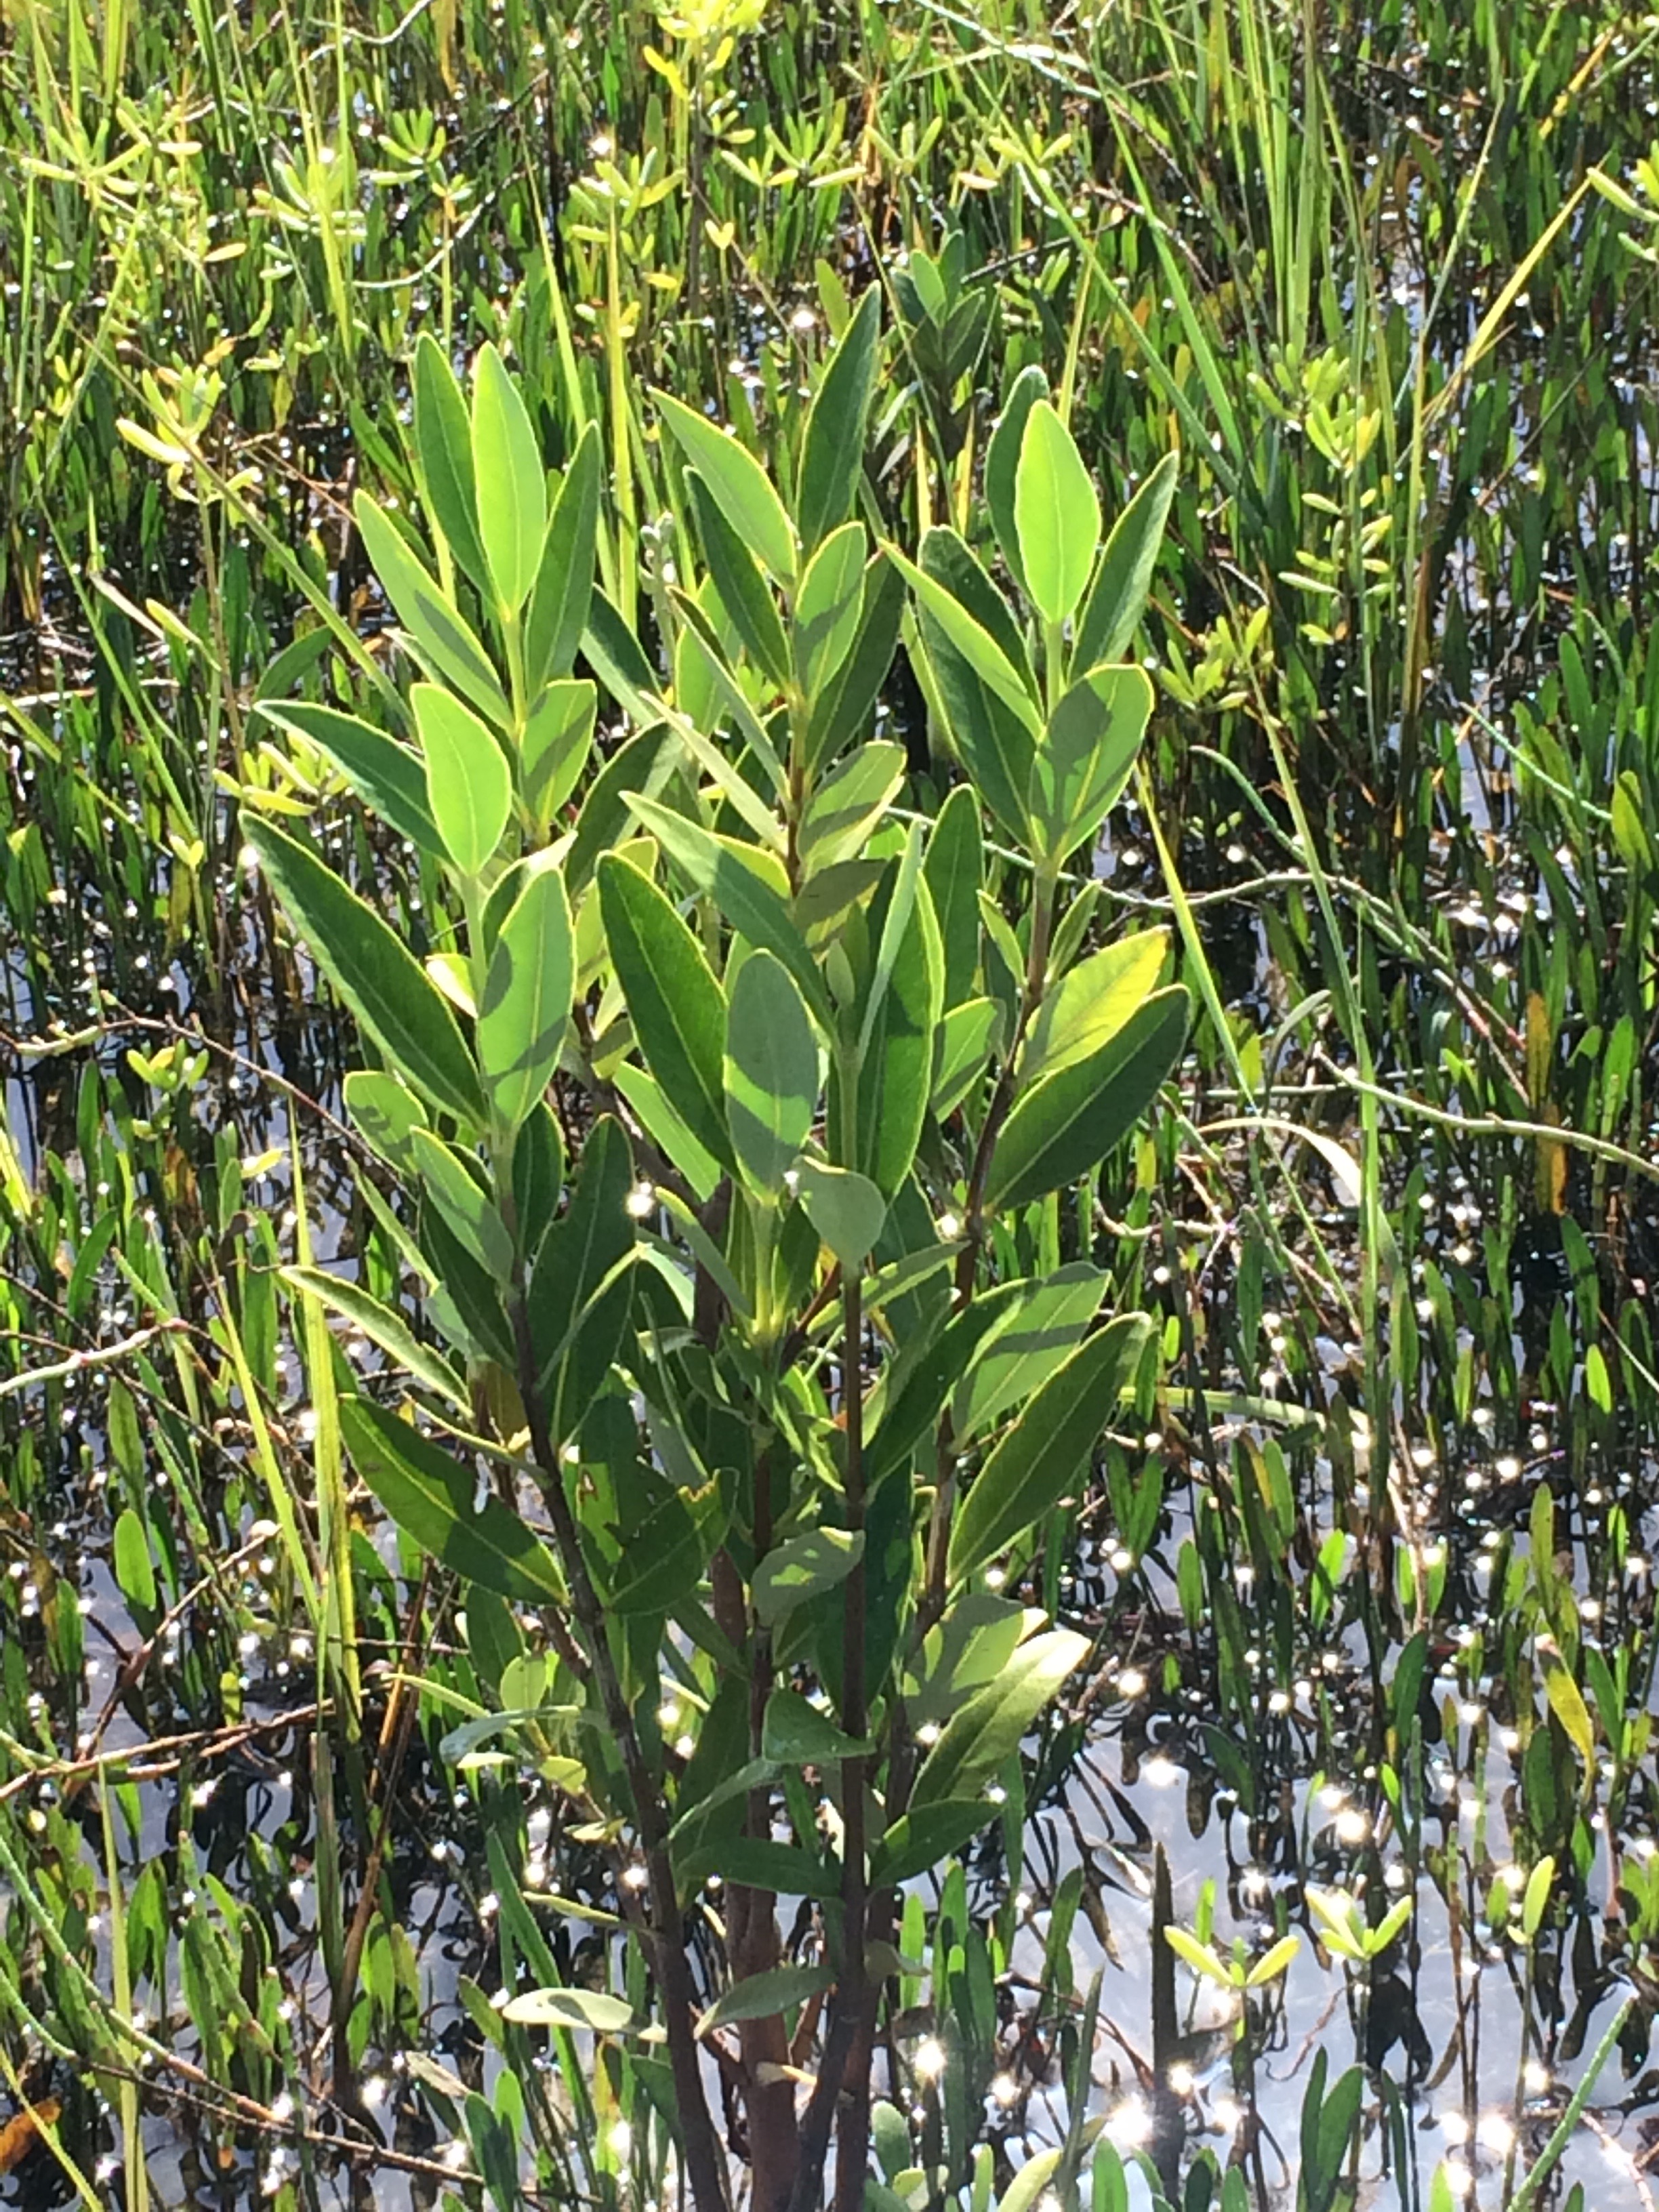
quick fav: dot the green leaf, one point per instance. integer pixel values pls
(738, 482)
(1567, 1704)
(954, 868)
(1035, 1332)
(673, 998)
(796, 1734)
(849, 804)
(1046, 1450)
(469, 1214)
(469, 786)
(619, 662)
(800, 1568)
(842, 706)
(388, 776)
(1056, 515)
(558, 738)
(1535, 1901)
(1199, 1956)
(385, 1327)
(1277, 1958)
(846, 1208)
(925, 1836)
(581, 1288)
(570, 2008)
(1112, 612)
(526, 1010)
(134, 1570)
(1002, 463)
(443, 440)
(759, 1996)
(1068, 1122)
(1091, 1003)
(970, 638)
(771, 1072)
(899, 1024)
(989, 1730)
(828, 606)
(431, 1496)
(748, 889)
(1085, 754)
(375, 974)
(441, 640)
(832, 451)
(968, 1036)
(664, 1554)
(559, 605)
(384, 1110)
(667, 1130)
(744, 592)
(978, 1635)
(784, 1868)
(510, 480)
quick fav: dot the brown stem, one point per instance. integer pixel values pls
(705, 2168)
(852, 2135)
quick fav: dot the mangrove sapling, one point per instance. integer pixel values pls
(749, 1309)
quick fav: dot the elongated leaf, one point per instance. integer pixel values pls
(955, 868)
(745, 592)
(1085, 754)
(849, 804)
(1567, 1704)
(738, 482)
(970, 638)
(899, 1025)
(374, 972)
(443, 439)
(748, 889)
(564, 582)
(1091, 1003)
(800, 1568)
(828, 606)
(667, 1130)
(968, 1036)
(832, 451)
(796, 1734)
(527, 992)
(759, 1996)
(384, 1110)
(558, 738)
(1117, 597)
(468, 1212)
(915, 1392)
(580, 1289)
(1002, 462)
(846, 1210)
(388, 776)
(469, 786)
(673, 998)
(618, 660)
(925, 1836)
(441, 640)
(784, 1868)
(771, 1072)
(381, 1326)
(1067, 1123)
(842, 707)
(570, 2008)
(1048, 1448)
(1036, 1334)
(510, 479)
(990, 1729)
(1056, 514)
(431, 1497)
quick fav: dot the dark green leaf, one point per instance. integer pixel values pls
(744, 592)
(954, 868)
(771, 1072)
(922, 1840)
(738, 482)
(527, 991)
(1048, 1448)
(559, 605)
(757, 1998)
(832, 451)
(443, 439)
(800, 1567)
(990, 1729)
(382, 1326)
(375, 973)
(432, 1498)
(839, 712)
(1112, 611)
(673, 998)
(1068, 1122)
(388, 776)
(828, 606)
(440, 639)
